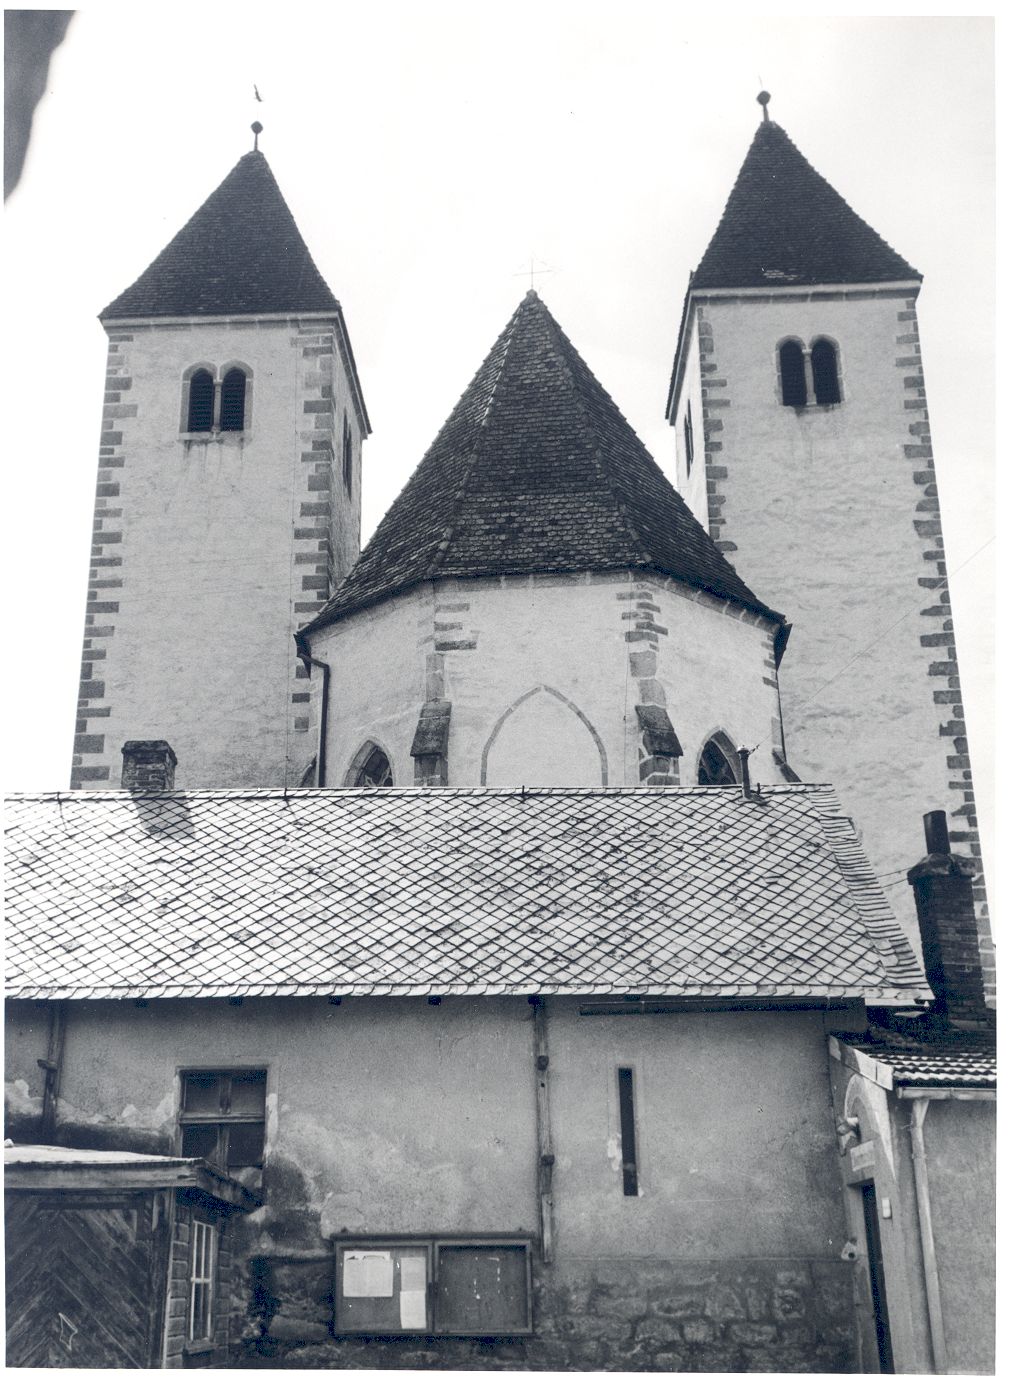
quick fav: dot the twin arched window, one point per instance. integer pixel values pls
(809, 377)
(216, 406)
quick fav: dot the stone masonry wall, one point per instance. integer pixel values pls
(609, 1314)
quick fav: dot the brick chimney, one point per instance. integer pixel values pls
(944, 899)
(148, 766)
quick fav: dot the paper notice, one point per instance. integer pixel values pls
(413, 1310)
(413, 1273)
(367, 1275)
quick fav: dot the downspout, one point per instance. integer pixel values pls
(919, 1107)
(52, 1065)
(545, 1162)
(308, 659)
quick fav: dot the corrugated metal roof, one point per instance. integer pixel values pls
(339, 892)
(535, 471)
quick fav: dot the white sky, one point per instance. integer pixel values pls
(426, 151)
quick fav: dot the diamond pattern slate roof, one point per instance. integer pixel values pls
(785, 224)
(693, 892)
(535, 471)
(959, 1061)
(241, 253)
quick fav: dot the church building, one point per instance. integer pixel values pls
(470, 952)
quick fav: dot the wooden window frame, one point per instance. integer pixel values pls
(223, 1120)
(433, 1245)
(202, 1274)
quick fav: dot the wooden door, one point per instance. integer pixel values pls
(85, 1280)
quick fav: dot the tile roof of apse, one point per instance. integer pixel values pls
(241, 253)
(784, 224)
(658, 892)
(535, 471)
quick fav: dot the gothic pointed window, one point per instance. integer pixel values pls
(826, 383)
(233, 401)
(200, 418)
(718, 764)
(792, 366)
(371, 769)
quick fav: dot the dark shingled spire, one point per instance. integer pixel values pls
(785, 224)
(240, 253)
(536, 471)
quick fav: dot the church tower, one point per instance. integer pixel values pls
(803, 447)
(228, 499)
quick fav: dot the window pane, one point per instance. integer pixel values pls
(201, 403)
(201, 1093)
(200, 1141)
(825, 382)
(233, 401)
(793, 374)
(482, 1290)
(248, 1094)
(245, 1143)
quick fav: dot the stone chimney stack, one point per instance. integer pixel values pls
(944, 899)
(148, 766)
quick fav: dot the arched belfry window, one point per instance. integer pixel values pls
(792, 367)
(719, 762)
(370, 769)
(826, 383)
(233, 401)
(200, 418)
(216, 402)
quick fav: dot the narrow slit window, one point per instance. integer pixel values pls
(201, 1284)
(348, 457)
(792, 364)
(826, 382)
(688, 437)
(233, 401)
(628, 1136)
(201, 403)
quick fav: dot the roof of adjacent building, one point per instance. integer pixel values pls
(37, 1167)
(654, 892)
(241, 253)
(785, 224)
(957, 1060)
(535, 471)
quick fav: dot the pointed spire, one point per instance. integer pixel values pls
(785, 224)
(241, 253)
(535, 471)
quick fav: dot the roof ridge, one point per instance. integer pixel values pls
(444, 543)
(604, 472)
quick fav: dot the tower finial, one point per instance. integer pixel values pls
(764, 98)
(257, 130)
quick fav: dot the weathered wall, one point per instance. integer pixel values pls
(959, 1138)
(544, 674)
(960, 1149)
(402, 1117)
(211, 549)
(832, 514)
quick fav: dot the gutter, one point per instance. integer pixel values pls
(305, 654)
